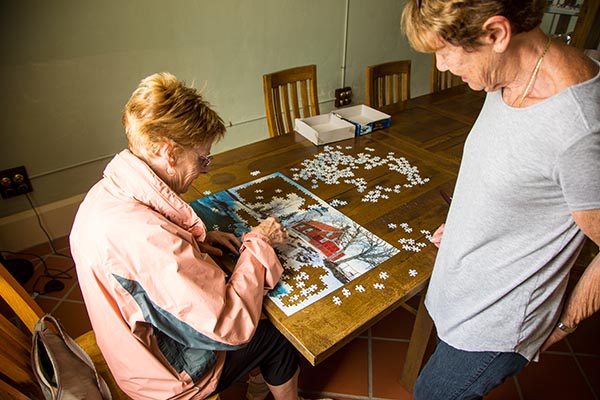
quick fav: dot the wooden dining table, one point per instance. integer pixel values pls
(429, 133)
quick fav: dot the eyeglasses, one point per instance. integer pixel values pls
(204, 161)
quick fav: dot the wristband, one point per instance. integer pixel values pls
(565, 328)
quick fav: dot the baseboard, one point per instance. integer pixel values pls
(21, 231)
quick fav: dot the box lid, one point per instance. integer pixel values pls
(362, 114)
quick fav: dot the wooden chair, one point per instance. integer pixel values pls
(16, 344)
(442, 80)
(388, 86)
(281, 97)
(16, 377)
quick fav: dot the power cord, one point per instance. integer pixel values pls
(54, 284)
(39, 221)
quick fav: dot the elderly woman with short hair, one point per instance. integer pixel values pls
(168, 322)
(527, 194)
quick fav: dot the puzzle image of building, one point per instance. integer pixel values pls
(322, 236)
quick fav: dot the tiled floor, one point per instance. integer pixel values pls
(369, 366)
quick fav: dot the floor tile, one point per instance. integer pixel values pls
(591, 368)
(586, 338)
(554, 377)
(388, 359)
(74, 318)
(75, 294)
(343, 372)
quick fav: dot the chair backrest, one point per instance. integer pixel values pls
(442, 80)
(282, 101)
(17, 379)
(388, 86)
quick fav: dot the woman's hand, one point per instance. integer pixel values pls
(556, 336)
(272, 229)
(222, 239)
(436, 239)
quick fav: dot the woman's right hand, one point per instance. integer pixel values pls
(273, 230)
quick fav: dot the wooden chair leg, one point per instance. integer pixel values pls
(417, 345)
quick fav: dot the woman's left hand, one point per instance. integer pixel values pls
(222, 239)
(556, 336)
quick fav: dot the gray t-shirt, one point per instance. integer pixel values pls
(510, 240)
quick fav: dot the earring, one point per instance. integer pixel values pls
(170, 171)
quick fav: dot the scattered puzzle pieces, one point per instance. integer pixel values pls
(332, 166)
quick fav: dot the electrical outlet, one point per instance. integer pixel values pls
(14, 181)
(343, 96)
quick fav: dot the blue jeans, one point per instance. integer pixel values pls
(452, 374)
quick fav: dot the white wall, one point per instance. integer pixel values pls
(68, 67)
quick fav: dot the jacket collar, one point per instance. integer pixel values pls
(137, 180)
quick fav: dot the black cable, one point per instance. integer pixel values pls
(39, 220)
(53, 274)
(58, 274)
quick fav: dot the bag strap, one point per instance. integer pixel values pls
(75, 348)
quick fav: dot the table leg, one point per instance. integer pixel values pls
(417, 345)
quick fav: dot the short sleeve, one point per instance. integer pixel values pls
(578, 171)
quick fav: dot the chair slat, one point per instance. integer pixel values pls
(286, 108)
(304, 99)
(8, 391)
(294, 98)
(380, 102)
(10, 332)
(18, 299)
(15, 368)
(277, 105)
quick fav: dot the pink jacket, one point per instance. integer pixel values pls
(162, 312)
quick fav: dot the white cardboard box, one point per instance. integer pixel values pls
(324, 128)
(365, 118)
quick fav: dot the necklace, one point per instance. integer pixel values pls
(534, 74)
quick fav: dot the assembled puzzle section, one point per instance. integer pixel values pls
(326, 249)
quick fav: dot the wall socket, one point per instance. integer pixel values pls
(343, 96)
(14, 181)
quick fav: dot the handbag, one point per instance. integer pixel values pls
(62, 368)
